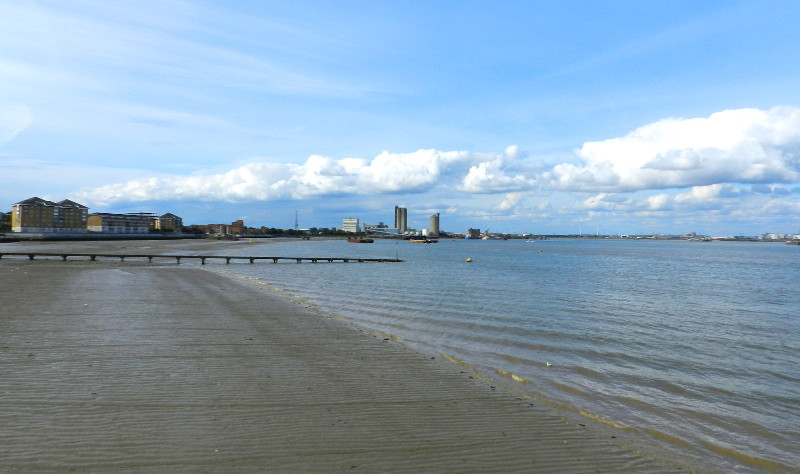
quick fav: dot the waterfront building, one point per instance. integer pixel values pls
(131, 223)
(237, 227)
(434, 227)
(218, 229)
(169, 222)
(387, 231)
(473, 234)
(350, 224)
(39, 215)
(401, 218)
(381, 229)
(379, 225)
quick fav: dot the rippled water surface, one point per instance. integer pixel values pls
(695, 344)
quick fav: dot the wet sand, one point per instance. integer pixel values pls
(166, 368)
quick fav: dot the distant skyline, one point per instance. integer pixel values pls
(546, 117)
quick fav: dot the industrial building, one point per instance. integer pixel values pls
(400, 218)
(350, 224)
(381, 229)
(434, 226)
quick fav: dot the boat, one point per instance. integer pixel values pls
(356, 240)
(424, 241)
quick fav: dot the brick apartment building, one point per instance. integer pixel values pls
(132, 223)
(39, 215)
(36, 215)
(168, 222)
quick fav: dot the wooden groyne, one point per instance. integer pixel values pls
(203, 258)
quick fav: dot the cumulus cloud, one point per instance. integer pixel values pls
(703, 194)
(715, 196)
(659, 202)
(604, 201)
(421, 170)
(14, 118)
(734, 146)
(712, 157)
(495, 174)
(318, 176)
(510, 201)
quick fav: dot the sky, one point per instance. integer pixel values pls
(540, 116)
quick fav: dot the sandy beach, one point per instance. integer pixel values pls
(110, 366)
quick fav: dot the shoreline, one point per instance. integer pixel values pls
(150, 367)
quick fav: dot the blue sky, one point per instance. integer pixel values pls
(539, 116)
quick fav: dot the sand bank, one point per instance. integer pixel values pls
(166, 368)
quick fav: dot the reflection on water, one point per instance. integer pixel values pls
(692, 342)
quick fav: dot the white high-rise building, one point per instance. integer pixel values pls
(350, 224)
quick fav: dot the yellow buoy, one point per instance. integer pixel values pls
(469, 259)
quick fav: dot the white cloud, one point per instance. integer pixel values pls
(495, 174)
(419, 171)
(697, 197)
(597, 201)
(735, 163)
(318, 176)
(659, 202)
(607, 202)
(390, 172)
(705, 194)
(510, 202)
(14, 118)
(733, 146)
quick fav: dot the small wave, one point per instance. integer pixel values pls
(569, 389)
(746, 458)
(512, 376)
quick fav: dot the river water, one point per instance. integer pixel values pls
(693, 346)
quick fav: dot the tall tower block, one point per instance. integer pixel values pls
(434, 227)
(400, 218)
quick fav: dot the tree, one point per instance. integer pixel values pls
(5, 222)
